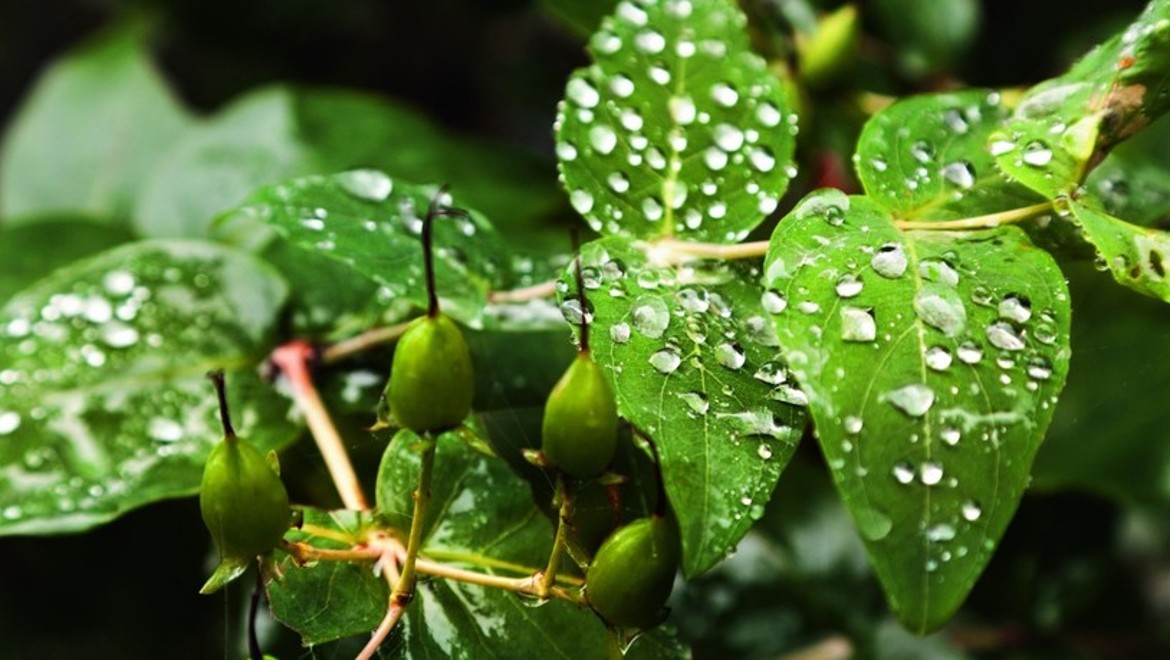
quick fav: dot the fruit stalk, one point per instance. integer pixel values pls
(554, 558)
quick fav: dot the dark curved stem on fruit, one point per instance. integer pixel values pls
(225, 418)
(660, 493)
(435, 210)
(581, 292)
(253, 609)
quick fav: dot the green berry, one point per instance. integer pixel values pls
(632, 574)
(431, 380)
(579, 433)
(243, 501)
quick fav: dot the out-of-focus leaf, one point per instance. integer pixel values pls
(32, 249)
(927, 36)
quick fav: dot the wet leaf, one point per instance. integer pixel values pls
(371, 225)
(1138, 257)
(30, 250)
(1063, 127)
(694, 364)
(104, 405)
(932, 362)
(481, 511)
(926, 158)
(1132, 183)
(677, 127)
(927, 36)
(89, 133)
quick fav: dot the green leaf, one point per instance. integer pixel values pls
(693, 362)
(1063, 127)
(1109, 435)
(1132, 183)
(90, 132)
(582, 16)
(932, 362)
(371, 224)
(1138, 257)
(104, 405)
(481, 517)
(927, 36)
(30, 250)
(925, 158)
(280, 132)
(678, 127)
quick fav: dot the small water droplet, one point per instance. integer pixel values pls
(971, 511)
(857, 325)
(961, 173)
(730, 355)
(727, 137)
(650, 42)
(582, 92)
(1039, 368)
(696, 401)
(853, 424)
(367, 185)
(619, 333)
(1002, 335)
(581, 200)
(9, 421)
(621, 85)
(764, 451)
(951, 435)
(914, 399)
(665, 361)
(969, 353)
(651, 317)
(922, 151)
(603, 139)
(849, 285)
(724, 94)
(941, 308)
(1037, 154)
(773, 302)
(940, 532)
(930, 473)
(1015, 308)
(937, 358)
(903, 472)
(889, 261)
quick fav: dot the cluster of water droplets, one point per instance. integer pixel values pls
(642, 142)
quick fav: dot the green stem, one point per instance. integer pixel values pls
(361, 343)
(554, 557)
(404, 590)
(989, 221)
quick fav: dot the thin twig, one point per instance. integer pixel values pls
(519, 585)
(363, 342)
(548, 578)
(535, 292)
(305, 552)
(292, 359)
(393, 615)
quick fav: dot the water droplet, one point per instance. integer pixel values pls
(163, 429)
(630, 120)
(13, 512)
(619, 333)
(1001, 334)
(1037, 154)
(665, 361)
(889, 261)
(566, 151)
(696, 401)
(951, 435)
(715, 159)
(941, 308)
(940, 532)
(581, 200)
(650, 42)
(808, 307)
(582, 92)
(961, 173)
(730, 355)
(313, 224)
(632, 14)
(849, 285)
(573, 314)
(727, 137)
(652, 209)
(971, 511)
(939, 271)
(651, 316)
(937, 358)
(853, 424)
(914, 399)
(764, 451)
(903, 472)
(790, 394)
(768, 115)
(724, 94)
(772, 373)
(603, 139)
(621, 85)
(954, 120)
(1039, 368)
(618, 182)
(857, 324)
(368, 185)
(930, 473)
(9, 421)
(873, 524)
(969, 353)
(762, 159)
(682, 110)
(922, 151)
(1015, 308)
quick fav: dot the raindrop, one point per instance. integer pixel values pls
(581, 92)
(631, 120)
(368, 185)
(762, 159)
(857, 324)
(619, 333)
(922, 151)
(1015, 308)
(764, 451)
(727, 137)
(937, 358)
(1001, 334)
(696, 401)
(1037, 154)
(954, 120)
(853, 424)
(772, 373)
(730, 355)
(849, 285)
(724, 94)
(951, 435)
(651, 317)
(940, 532)
(914, 399)
(971, 511)
(650, 42)
(1001, 147)
(119, 336)
(665, 361)
(573, 314)
(682, 109)
(961, 173)
(930, 473)
(13, 512)
(941, 308)
(313, 224)
(1039, 368)
(981, 295)
(581, 200)
(768, 115)
(618, 182)
(632, 14)
(903, 472)
(889, 261)
(969, 353)
(715, 159)
(938, 270)
(808, 307)
(9, 421)
(163, 429)
(659, 75)
(603, 139)
(621, 85)
(790, 394)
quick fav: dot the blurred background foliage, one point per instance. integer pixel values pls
(1084, 570)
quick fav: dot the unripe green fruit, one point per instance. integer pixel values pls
(632, 574)
(431, 380)
(243, 501)
(579, 433)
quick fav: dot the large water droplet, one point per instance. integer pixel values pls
(581, 200)
(969, 353)
(937, 358)
(603, 139)
(914, 399)
(696, 401)
(1015, 308)
(941, 308)
(849, 285)
(620, 333)
(889, 261)
(1001, 334)
(858, 325)
(730, 355)
(651, 316)
(930, 473)
(368, 185)
(773, 302)
(961, 173)
(1037, 154)
(665, 361)
(581, 92)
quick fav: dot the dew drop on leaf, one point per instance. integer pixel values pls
(903, 472)
(1037, 154)
(651, 317)
(849, 285)
(951, 435)
(773, 302)
(930, 473)
(889, 261)
(1015, 308)
(914, 399)
(857, 325)
(937, 358)
(969, 353)
(1002, 335)
(961, 173)
(730, 356)
(941, 308)
(665, 361)
(971, 511)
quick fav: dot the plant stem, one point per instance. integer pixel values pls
(306, 552)
(393, 614)
(518, 585)
(675, 250)
(363, 342)
(535, 292)
(404, 589)
(988, 221)
(548, 578)
(292, 359)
